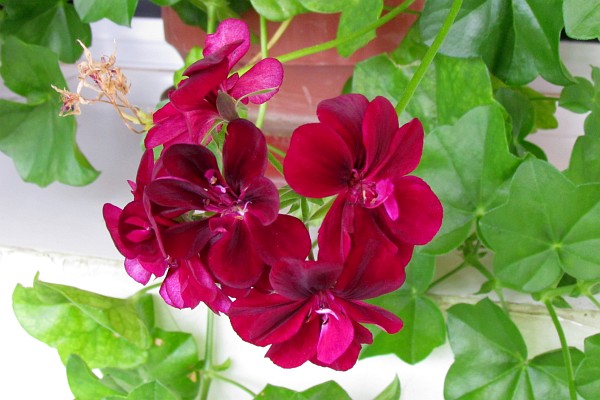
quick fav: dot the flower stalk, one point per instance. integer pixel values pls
(428, 58)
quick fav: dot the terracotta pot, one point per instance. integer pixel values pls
(307, 80)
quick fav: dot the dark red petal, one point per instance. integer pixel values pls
(265, 76)
(402, 155)
(298, 279)
(298, 349)
(170, 125)
(261, 199)
(187, 239)
(262, 319)
(244, 153)
(336, 335)
(233, 258)
(318, 162)
(205, 77)
(190, 283)
(192, 163)
(285, 237)
(144, 174)
(371, 270)
(229, 31)
(345, 115)
(112, 215)
(369, 314)
(334, 234)
(176, 194)
(137, 271)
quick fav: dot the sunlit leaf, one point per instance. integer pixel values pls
(103, 331)
(119, 11)
(329, 390)
(581, 18)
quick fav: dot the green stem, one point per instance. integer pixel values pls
(474, 262)
(448, 275)
(428, 58)
(264, 51)
(233, 383)
(146, 289)
(335, 42)
(565, 349)
(211, 23)
(593, 299)
(205, 373)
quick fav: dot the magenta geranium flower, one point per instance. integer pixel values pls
(358, 151)
(136, 231)
(237, 228)
(193, 107)
(315, 312)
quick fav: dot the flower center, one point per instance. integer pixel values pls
(367, 193)
(323, 306)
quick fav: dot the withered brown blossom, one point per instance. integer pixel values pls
(110, 85)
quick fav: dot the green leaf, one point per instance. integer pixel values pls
(392, 392)
(84, 384)
(119, 11)
(434, 102)
(329, 390)
(326, 7)
(581, 18)
(584, 96)
(587, 376)
(468, 166)
(103, 331)
(584, 166)
(41, 144)
(517, 39)
(424, 328)
(357, 15)
(172, 361)
(50, 23)
(152, 391)
(533, 256)
(278, 10)
(491, 359)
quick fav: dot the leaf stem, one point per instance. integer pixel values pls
(428, 58)
(448, 274)
(264, 52)
(206, 371)
(565, 349)
(337, 41)
(216, 375)
(474, 262)
(593, 299)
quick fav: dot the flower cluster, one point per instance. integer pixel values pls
(213, 225)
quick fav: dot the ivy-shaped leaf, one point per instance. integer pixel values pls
(518, 39)
(491, 359)
(581, 18)
(50, 23)
(103, 331)
(392, 392)
(468, 166)
(41, 144)
(583, 97)
(172, 361)
(584, 166)
(119, 11)
(537, 238)
(84, 384)
(357, 15)
(149, 391)
(434, 102)
(587, 376)
(329, 390)
(424, 328)
(278, 10)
